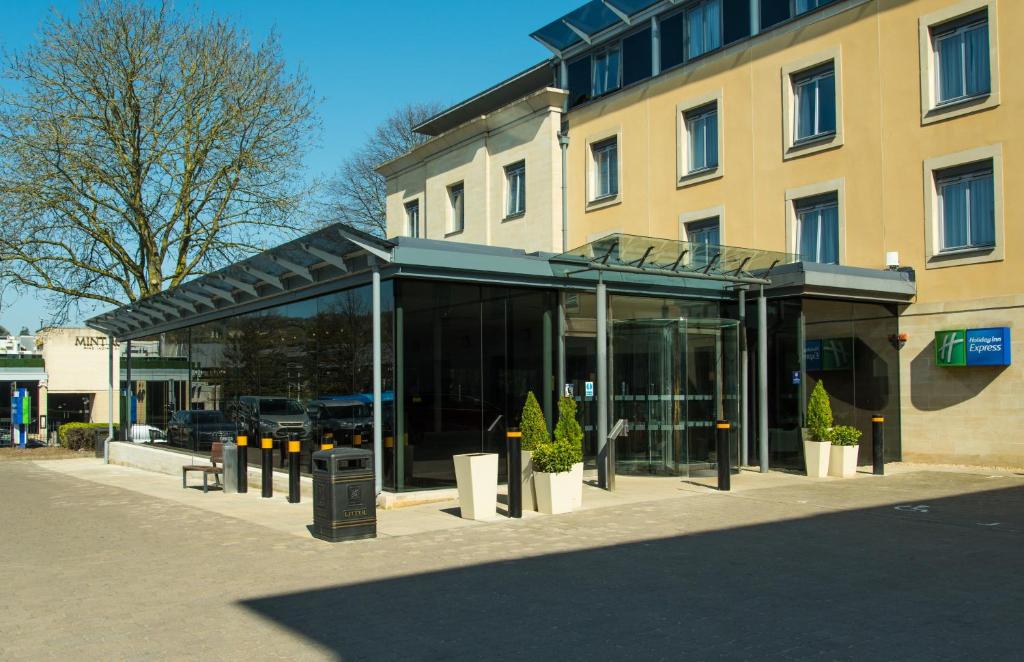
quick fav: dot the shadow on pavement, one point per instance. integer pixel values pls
(936, 580)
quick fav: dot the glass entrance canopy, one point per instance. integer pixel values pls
(637, 254)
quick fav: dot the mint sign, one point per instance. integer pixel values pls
(973, 347)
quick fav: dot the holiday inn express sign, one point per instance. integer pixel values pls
(968, 347)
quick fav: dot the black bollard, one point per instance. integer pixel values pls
(724, 470)
(266, 466)
(294, 454)
(243, 464)
(878, 444)
(515, 475)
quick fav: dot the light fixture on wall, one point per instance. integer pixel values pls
(892, 260)
(898, 340)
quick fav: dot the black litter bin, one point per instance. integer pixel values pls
(344, 499)
(100, 437)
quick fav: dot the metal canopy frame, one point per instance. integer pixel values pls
(669, 257)
(332, 253)
(587, 22)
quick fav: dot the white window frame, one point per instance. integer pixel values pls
(795, 196)
(594, 201)
(409, 205)
(456, 208)
(792, 73)
(935, 256)
(933, 24)
(983, 170)
(699, 5)
(605, 52)
(957, 30)
(684, 176)
(800, 208)
(512, 197)
(800, 81)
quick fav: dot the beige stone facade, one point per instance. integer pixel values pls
(476, 155)
(76, 361)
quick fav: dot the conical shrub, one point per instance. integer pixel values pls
(532, 424)
(819, 413)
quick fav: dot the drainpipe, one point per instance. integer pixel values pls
(563, 141)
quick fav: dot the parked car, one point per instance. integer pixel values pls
(199, 429)
(278, 418)
(341, 418)
(145, 434)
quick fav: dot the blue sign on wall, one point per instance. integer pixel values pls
(988, 346)
(812, 355)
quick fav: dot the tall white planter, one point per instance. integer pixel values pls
(843, 461)
(476, 475)
(816, 455)
(529, 491)
(577, 485)
(554, 492)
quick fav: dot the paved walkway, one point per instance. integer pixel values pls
(922, 565)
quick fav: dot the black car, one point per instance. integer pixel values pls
(199, 429)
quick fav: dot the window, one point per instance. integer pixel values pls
(702, 138)
(703, 238)
(964, 208)
(818, 228)
(703, 28)
(636, 57)
(457, 198)
(966, 199)
(815, 103)
(961, 53)
(515, 193)
(774, 12)
(412, 218)
(605, 155)
(579, 81)
(671, 41)
(606, 71)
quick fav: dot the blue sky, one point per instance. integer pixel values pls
(363, 58)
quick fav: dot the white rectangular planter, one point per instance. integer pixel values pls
(816, 456)
(577, 482)
(529, 492)
(476, 475)
(555, 492)
(843, 461)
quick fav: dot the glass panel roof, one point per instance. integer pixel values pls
(590, 19)
(624, 252)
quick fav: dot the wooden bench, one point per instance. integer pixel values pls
(216, 456)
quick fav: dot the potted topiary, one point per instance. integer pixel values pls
(843, 456)
(816, 434)
(568, 431)
(535, 433)
(553, 476)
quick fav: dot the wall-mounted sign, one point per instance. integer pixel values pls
(969, 347)
(588, 389)
(828, 354)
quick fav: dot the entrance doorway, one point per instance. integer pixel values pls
(672, 380)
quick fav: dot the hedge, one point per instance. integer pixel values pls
(80, 436)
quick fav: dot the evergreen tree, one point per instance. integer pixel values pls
(568, 429)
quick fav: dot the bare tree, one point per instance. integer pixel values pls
(357, 195)
(139, 147)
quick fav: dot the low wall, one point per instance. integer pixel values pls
(163, 461)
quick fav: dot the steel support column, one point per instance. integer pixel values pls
(601, 390)
(378, 445)
(744, 383)
(110, 399)
(762, 380)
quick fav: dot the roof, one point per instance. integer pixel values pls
(518, 86)
(584, 23)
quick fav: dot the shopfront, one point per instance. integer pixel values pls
(439, 344)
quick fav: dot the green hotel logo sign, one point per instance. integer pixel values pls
(949, 348)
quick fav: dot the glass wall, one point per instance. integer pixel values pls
(303, 370)
(468, 355)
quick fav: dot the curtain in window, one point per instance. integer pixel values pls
(711, 135)
(809, 236)
(950, 68)
(698, 155)
(982, 211)
(703, 24)
(827, 104)
(829, 250)
(806, 103)
(606, 72)
(613, 170)
(976, 56)
(954, 215)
